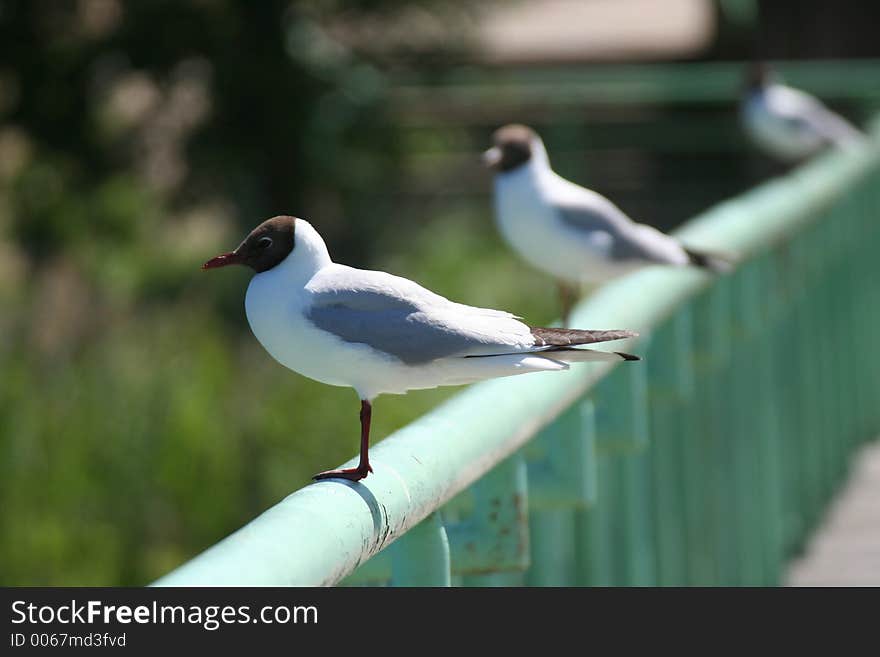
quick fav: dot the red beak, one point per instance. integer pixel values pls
(223, 260)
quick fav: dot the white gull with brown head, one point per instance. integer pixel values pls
(380, 333)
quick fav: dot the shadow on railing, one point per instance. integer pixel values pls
(705, 464)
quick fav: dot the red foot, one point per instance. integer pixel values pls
(352, 474)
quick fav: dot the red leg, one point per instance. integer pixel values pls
(363, 468)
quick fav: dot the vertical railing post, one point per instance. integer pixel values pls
(638, 569)
(552, 546)
(491, 534)
(594, 532)
(562, 479)
(562, 461)
(716, 558)
(421, 556)
(614, 536)
(812, 346)
(670, 374)
(868, 307)
(790, 380)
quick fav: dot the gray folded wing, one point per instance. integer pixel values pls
(625, 240)
(803, 112)
(833, 127)
(400, 318)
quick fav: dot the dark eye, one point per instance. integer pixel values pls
(264, 242)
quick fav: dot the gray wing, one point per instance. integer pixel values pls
(625, 240)
(585, 210)
(587, 218)
(833, 127)
(804, 112)
(404, 320)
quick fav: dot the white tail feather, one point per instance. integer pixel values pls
(587, 356)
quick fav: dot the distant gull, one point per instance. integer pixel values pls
(789, 124)
(566, 230)
(379, 333)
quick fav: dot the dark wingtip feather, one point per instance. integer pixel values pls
(720, 264)
(628, 356)
(565, 337)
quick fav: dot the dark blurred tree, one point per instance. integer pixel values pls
(252, 102)
(818, 29)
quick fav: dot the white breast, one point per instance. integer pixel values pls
(275, 314)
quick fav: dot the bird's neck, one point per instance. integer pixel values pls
(309, 254)
(756, 88)
(539, 160)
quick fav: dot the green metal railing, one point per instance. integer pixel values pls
(470, 93)
(708, 463)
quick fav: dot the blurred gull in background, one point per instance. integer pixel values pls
(790, 124)
(379, 333)
(569, 231)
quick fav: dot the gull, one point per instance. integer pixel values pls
(568, 231)
(379, 333)
(788, 123)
